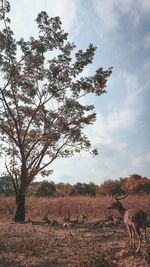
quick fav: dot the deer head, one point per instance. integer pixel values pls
(117, 204)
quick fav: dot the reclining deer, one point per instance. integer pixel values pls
(134, 219)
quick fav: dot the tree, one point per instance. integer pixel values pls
(77, 189)
(63, 189)
(84, 189)
(111, 187)
(43, 189)
(138, 183)
(41, 115)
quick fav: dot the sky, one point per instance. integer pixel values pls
(121, 31)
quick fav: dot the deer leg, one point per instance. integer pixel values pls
(139, 238)
(133, 236)
(130, 235)
(145, 237)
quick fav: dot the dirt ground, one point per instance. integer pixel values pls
(84, 245)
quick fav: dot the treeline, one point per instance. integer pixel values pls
(141, 185)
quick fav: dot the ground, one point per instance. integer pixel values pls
(83, 245)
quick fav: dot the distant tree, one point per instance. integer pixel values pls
(144, 186)
(90, 189)
(84, 189)
(63, 189)
(135, 176)
(77, 189)
(6, 186)
(137, 183)
(41, 115)
(31, 188)
(44, 189)
(111, 187)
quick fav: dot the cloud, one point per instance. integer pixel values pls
(110, 12)
(24, 14)
(141, 160)
(122, 116)
(126, 114)
(146, 41)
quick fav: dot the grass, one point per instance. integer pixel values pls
(93, 207)
(81, 246)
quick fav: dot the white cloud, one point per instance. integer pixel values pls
(101, 133)
(106, 11)
(123, 116)
(141, 160)
(109, 12)
(146, 41)
(24, 13)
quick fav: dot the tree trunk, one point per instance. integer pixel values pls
(20, 209)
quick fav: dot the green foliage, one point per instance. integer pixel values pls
(6, 186)
(48, 189)
(42, 189)
(111, 187)
(63, 189)
(84, 189)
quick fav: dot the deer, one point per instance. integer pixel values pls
(84, 217)
(134, 219)
(50, 222)
(68, 222)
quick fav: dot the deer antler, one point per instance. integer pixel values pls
(124, 196)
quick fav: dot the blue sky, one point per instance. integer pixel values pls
(121, 31)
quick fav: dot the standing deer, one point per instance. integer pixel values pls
(134, 219)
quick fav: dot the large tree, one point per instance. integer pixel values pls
(41, 115)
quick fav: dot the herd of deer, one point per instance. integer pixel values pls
(67, 221)
(135, 220)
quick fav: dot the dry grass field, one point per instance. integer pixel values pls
(86, 244)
